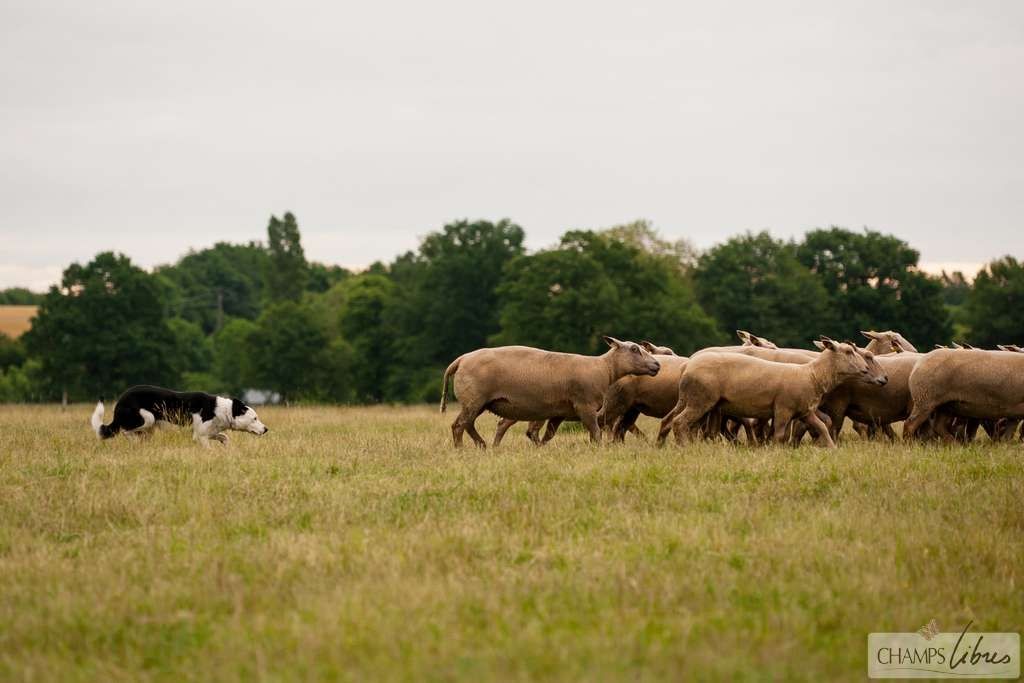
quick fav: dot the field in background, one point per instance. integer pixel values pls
(354, 543)
(16, 320)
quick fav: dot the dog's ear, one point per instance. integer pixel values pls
(238, 408)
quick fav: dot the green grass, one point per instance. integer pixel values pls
(357, 544)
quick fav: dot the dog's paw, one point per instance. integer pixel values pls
(222, 438)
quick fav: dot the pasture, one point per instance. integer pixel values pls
(356, 544)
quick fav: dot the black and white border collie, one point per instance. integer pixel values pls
(140, 408)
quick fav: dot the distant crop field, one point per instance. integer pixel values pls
(356, 544)
(16, 320)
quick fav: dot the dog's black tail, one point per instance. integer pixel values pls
(102, 431)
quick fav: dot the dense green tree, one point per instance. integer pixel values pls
(955, 288)
(287, 351)
(103, 329)
(323, 277)
(232, 366)
(21, 383)
(223, 281)
(873, 283)
(597, 283)
(449, 288)
(559, 299)
(194, 355)
(287, 272)
(755, 282)
(365, 327)
(992, 311)
(12, 352)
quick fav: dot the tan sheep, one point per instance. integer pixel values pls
(523, 383)
(873, 405)
(749, 339)
(966, 383)
(657, 350)
(888, 342)
(533, 430)
(635, 395)
(746, 387)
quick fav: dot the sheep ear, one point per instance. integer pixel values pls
(828, 343)
(819, 344)
(648, 345)
(1002, 347)
(743, 335)
(611, 341)
(941, 346)
(869, 335)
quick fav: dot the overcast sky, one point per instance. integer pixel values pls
(149, 128)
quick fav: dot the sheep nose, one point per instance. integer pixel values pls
(882, 381)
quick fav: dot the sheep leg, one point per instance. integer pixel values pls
(781, 422)
(799, 428)
(499, 433)
(1009, 427)
(821, 428)
(636, 431)
(918, 416)
(683, 425)
(972, 428)
(589, 419)
(714, 426)
(888, 431)
(553, 425)
(626, 423)
(533, 432)
(730, 429)
(946, 427)
(748, 429)
(465, 423)
(668, 420)
(864, 431)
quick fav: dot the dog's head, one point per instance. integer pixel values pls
(245, 419)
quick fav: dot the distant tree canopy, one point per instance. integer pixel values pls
(239, 316)
(992, 311)
(223, 281)
(593, 284)
(873, 282)
(286, 272)
(19, 296)
(104, 329)
(757, 283)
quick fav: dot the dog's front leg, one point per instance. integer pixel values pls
(219, 436)
(201, 430)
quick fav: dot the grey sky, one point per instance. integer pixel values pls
(150, 128)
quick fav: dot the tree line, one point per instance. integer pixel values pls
(261, 315)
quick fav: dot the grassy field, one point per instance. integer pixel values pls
(354, 543)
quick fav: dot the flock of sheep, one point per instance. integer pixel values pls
(770, 393)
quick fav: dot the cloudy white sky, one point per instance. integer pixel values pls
(150, 128)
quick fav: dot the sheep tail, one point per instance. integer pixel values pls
(452, 369)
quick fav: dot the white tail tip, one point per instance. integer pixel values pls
(97, 417)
